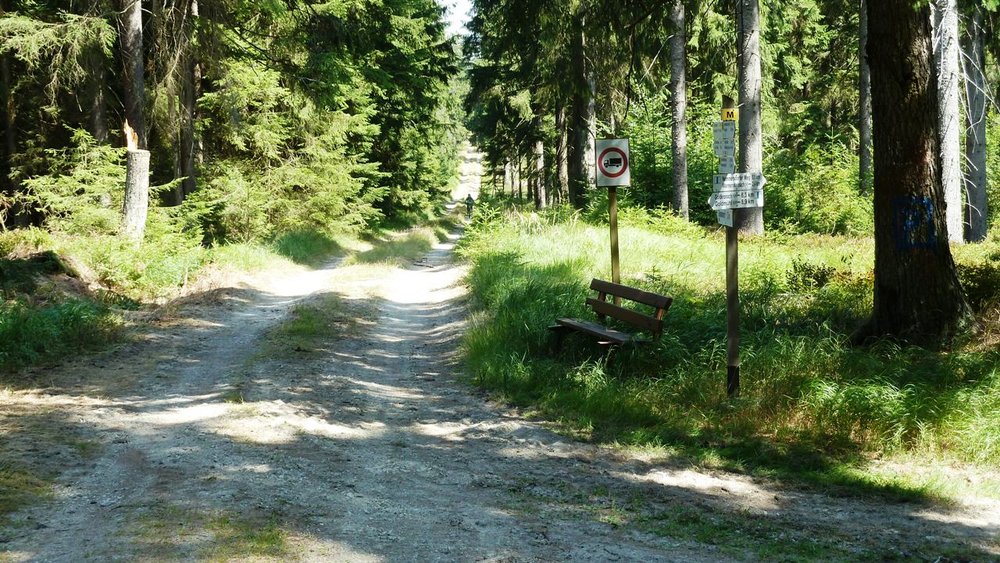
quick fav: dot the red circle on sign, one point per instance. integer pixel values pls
(600, 162)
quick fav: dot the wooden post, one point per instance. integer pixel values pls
(616, 272)
(732, 312)
(732, 301)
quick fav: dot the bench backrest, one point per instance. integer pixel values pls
(652, 323)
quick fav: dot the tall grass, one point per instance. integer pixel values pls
(809, 401)
(30, 334)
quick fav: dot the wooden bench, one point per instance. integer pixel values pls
(652, 324)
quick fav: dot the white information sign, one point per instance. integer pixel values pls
(613, 167)
(737, 191)
(724, 147)
(727, 164)
(723, 130)
(724, 139)
(725, 217)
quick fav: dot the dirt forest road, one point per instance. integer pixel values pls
(205, 445)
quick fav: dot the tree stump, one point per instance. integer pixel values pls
(136, 206)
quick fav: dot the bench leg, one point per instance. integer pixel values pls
(557, 340)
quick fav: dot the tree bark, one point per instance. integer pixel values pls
(562, 152)
(583, 138)
(136, 204)
(131, 40)
(678, 92)
(946, 57)
(14, 215)
(508, 178)
(189, 93)
(520, 178)
(540, 199)
(750, 221)
(98, 120)
(918, 297)
(975, 137)
(864, 105)
(136, 207)
(9, 135)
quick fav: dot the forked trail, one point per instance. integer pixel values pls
(371, 449)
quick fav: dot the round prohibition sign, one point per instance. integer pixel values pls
(619, 159)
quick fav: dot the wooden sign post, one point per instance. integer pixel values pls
(613, 170)
(729, 114)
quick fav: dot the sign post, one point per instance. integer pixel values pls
(732, 191)
(613, 170)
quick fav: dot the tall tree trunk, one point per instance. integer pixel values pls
(531, 177)
(199, 147)
(750, 221)
(864, 105)
(136, 204)
(508, 177)
(918, 297)
(15, 215)
(678, 91)
(520, 178)
(189, 92)
(975, 137)
(98, 120)
(581, 153)
(946, 57)
(562, 155)
(540, 200)
(130, 37)
(9, 146)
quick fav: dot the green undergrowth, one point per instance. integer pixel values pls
(811, 406)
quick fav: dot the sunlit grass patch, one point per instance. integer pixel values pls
(397, 248)
(20, 488)
(811, 406)
(247, 257)
(237, 537)
(307, 247)
(319, 323)
(177, 532)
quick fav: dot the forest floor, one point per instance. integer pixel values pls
(221, 433)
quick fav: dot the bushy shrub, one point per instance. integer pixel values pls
(817, 192)
(231, 206)
(981, 282)
(83, 190)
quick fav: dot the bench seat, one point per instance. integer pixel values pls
(649, 323)
(604, 334)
